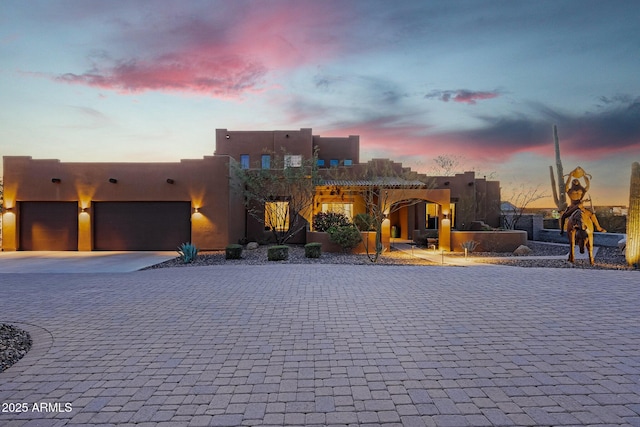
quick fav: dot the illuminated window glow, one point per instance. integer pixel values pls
(276, 215)
(343, 208)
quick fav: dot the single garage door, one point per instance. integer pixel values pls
(141, 226)
(49, 226)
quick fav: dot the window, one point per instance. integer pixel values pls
(266, 161)
(320, 163)
(334, 163)
(348, 162)
(244, 161)
(276, 216)
(292, 161)
(343, 208)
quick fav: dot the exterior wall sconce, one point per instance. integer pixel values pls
(56, 180)
(228, 136)
(196, 210)
(470, 184)
(446, 183)
(9, 209)
(445, 216)
(113, 180)
(170, 181)
(83, 210)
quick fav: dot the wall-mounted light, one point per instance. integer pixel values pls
(286, 136)
(83, 210)
(113, 180)
(228, 136)
(196, 210)
(170, 181)
(56, 180)
(9, 209)
(470, 184)
(446, 183)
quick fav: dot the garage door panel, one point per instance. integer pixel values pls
(140, 226)
(49, 226)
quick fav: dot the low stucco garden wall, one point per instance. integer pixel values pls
(489, 241)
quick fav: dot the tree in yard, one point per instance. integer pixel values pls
(518, 198)
(280, 198)
(387, 189)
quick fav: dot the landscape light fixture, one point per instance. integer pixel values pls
(56, 180)
(113, 180)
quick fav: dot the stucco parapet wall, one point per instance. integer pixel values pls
(489, 241)
(599, 239)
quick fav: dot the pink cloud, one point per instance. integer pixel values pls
(211, 58)
(462, 95)
(224, 77)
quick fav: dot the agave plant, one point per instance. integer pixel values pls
(188, 252)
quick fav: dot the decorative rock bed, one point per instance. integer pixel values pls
(14, 344)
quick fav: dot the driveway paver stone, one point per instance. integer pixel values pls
(325, 345)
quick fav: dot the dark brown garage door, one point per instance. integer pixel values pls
(141, 226)
(49, 226)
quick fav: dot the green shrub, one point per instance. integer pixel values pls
(312, 250)
(347, 237)
(364, 222)
(278, 253)
(323, 221)
(233, 251)
(187, 252)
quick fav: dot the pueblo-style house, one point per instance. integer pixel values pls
(54, 205)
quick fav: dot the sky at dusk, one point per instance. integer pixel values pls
(482, 81)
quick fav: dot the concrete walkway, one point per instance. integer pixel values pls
(446, 258)
(325, 345)
(80, 262)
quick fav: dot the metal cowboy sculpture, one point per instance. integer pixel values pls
(581, 220)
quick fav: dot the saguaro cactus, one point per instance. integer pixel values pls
(633, 220)
(559, 194)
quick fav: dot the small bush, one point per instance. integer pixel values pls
(347, 237)
(364, 222)
(323, 221)
(187, 252)
(233, 251)
(312, 250)
(278, 253)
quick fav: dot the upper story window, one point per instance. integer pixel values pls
(266, 161)
(348, 162)
(244, 161)
(334, 163)
(320, 163)
(292, 161)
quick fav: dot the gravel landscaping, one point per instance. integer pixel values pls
(606, 258)
(14, 344)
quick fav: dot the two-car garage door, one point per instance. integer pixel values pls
(117, 226)
(141, 226)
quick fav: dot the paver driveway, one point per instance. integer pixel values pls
(326, 345)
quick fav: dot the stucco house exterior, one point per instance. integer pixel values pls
(55, 205)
